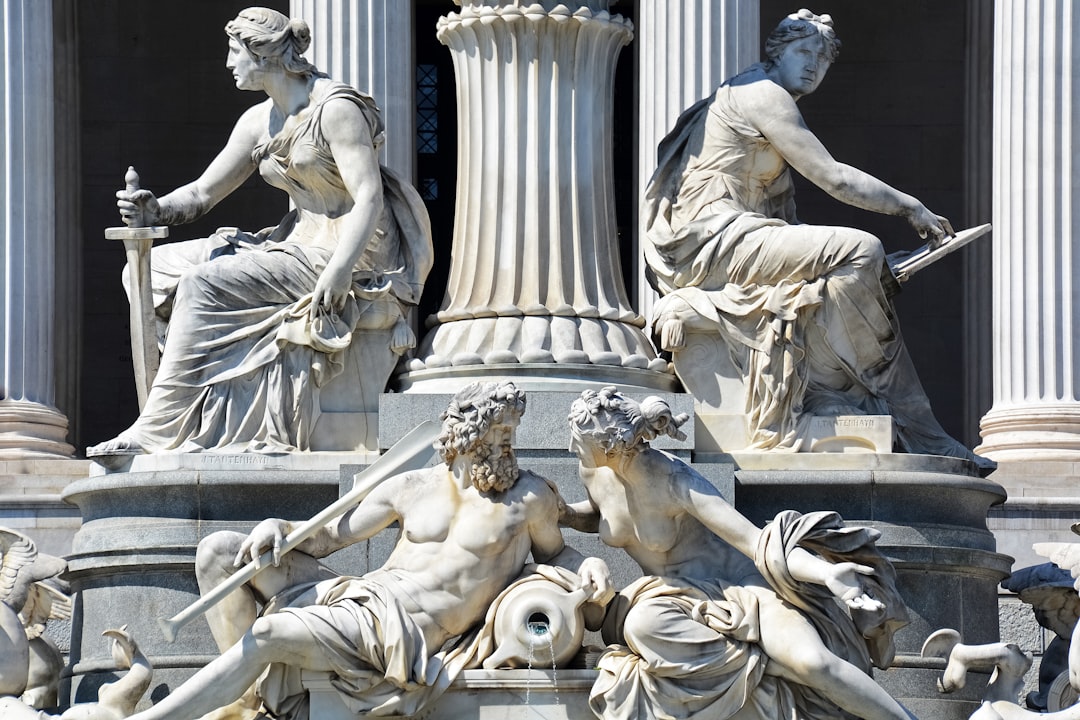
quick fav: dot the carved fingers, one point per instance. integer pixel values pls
(595, 574)
(269, 535)
(138, 208)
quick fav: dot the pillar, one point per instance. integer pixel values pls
(1033, 427)
(369, 44)
(686, 48)
(978, 186)
(1036, 410)
(30, 425)
(535, 289)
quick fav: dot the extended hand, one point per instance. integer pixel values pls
(844, 582)
(932, 228)
(331, 289)
(139, 208)
(267, 535)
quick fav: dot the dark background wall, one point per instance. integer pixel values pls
(155, 94)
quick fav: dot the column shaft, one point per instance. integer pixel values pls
(29, 424)
(535, 276)
(686, 48)
(369, 44)
(1036, 411)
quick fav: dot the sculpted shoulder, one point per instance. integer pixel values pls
(536, 490)
(255, 121)
(762, 100)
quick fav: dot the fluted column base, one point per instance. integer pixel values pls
(537, 339)
(32, 430)
(1032, 433)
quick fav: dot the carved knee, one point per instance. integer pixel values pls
(215, 554)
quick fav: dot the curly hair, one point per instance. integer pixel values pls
(801, 25)
(267, 34)
(620, 424)
(472, 412)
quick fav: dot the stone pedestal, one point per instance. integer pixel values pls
(132, 560)
(931, 512)
(535, 281)
(484, 695)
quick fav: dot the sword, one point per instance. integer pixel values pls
(411, 452)
(137, 244)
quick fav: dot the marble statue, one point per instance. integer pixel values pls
(1057, 610)
(393, 639)
(728, 618)
(29, 598)
(29, 673)
(805, 310)
(1049, 590)
(259, 322)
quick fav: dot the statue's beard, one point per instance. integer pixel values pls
(494, 468)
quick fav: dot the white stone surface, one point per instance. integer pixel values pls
(535, 276)
(1036, 411)
(30, 425)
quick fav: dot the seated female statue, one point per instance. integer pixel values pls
(805, 309)
(257, 323)
(729, 620)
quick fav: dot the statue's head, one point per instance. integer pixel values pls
(478, 425)
(618, 424)
(272, 38)
(801, 25)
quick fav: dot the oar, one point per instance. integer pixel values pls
(409, 453)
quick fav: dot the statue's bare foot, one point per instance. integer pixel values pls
(114, 453)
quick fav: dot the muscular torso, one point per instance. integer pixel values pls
(462, 548)
(640, 515)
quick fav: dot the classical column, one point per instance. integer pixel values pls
(535, 288)
(978, 187)
(369, 44)
(30, 425)
(686, 48)
(1036, 411)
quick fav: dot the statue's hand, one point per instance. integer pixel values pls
(594, 573)
(932, 228)
(267, 535)
(844, 581)
(138, 208)
(331, 289)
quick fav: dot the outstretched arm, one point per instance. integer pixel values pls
(347, 132)
(773, 111)
(232, 166)
(376, 512)
(701, 500)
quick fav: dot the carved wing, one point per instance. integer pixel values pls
(43, 603)
(1056, 608)
(19, 554)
